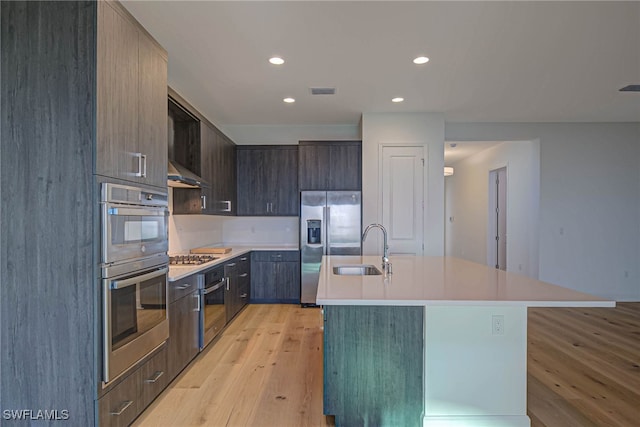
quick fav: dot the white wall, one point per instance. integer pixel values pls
(589, 237)
(289, 134)
(404, 128)
(467, 202)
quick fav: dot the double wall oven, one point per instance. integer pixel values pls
(134, 267)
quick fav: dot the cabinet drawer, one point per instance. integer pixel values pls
(120, 406)
(182, 287)
(244, 264)
(275, 256)
(153, 377)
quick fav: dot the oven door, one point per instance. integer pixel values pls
(130, 232)
(213, 315)
(135, 319)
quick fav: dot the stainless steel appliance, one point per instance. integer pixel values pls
(134, 267)
(134, 223)
(330, 224)
(212, 313)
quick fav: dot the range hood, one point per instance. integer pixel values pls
(181, 177)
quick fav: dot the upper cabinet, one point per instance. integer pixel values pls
(131, 100)
(330, 165)
(202, 148)
(267, 180)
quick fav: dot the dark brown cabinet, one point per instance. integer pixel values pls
(275, 276)
(237, 273)
(184, 323)
(72, 95)
(131, 100)
(330, 165)
(385, 382)
(127, 399)
(268, 180)
(199, 146)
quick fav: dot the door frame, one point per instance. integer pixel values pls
(492, 256)
(425, 159)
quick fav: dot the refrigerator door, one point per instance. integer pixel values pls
(312, 242)
(344, 223)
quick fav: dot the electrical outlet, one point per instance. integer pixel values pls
(497, 324)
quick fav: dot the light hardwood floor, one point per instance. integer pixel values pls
(266, 370)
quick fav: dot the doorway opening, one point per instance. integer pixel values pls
(497, 227)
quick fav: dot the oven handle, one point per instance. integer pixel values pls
(119, 284)
(126, 210)
(215, 287)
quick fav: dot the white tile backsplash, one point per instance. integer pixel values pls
(260, 230)
(193, 231)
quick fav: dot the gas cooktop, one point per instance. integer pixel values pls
(190, 259)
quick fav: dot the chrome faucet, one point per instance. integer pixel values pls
(386, 265)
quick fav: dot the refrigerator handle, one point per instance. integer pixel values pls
(327, 240)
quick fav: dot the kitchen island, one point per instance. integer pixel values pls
(440, 342)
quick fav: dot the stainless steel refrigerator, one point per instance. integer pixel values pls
(330, 224)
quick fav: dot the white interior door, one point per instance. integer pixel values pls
(403, 198)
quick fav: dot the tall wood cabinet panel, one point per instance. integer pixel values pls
(132, 78)
(69, 94)
(330, 165)
(48, 290)
(268, 184)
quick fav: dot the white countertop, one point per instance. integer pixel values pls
(441, 281)
(177, 272)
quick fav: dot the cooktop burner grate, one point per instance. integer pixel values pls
(190, 259)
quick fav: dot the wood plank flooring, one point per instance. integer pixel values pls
(584, 366)
(266, 370)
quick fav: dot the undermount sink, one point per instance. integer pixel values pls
(356, 270)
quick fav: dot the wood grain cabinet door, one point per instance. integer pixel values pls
(131, 100)
(117, 101)
(152, 112)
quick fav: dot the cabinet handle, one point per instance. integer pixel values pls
(156, 377)
(227, 283)
(197, 297)
(139, 156)
(243, 295)
(123, 407)
(228, 208)
(204, 202)
(183, 287)
(243, 259)
(144, 165)
(244, 274)
(231, 264)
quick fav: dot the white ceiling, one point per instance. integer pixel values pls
(490, 61)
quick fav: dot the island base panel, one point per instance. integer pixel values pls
(373, 361)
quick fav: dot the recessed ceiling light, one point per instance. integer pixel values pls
(421, 60)
(276, 60)
(397, 99)
(289, 100)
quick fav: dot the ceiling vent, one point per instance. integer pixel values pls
(323, 90)
(631, 88)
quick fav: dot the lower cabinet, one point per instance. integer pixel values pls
(184, 322)
(121, 405)
(275, 277)
(238, 274)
